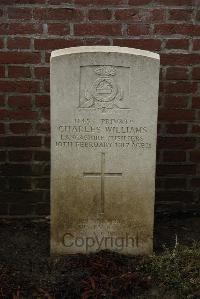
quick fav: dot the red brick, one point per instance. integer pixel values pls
(45, 114)
(22, 197)
(43, 127)
(139, 2)
(19, 86)
(99, 2)
(2, 128)
(161, 78)
(96, 41)
(198, 14)
(16, 169)
(4, 28)
(196, 45)
(195, 156)
(42, 101)
(138, 29)
(2, 100)
(19, 13)
(176, 142)
(127, 15)
(163, 170)
(99, 14)
(21, 209)
(47, 85)
(67, 14)
(59, 2)
(19, 183)
(174, 156)
(155, 15)
(1, 43)
(146, 44)
(2, 71)
(21, 141)
(172, 101)
(19, 57)
(174, 183)
(18, 72)
(182, 29)
(19, 101)
(41, 72)
(47, 57)
(97, 29)
(196, 129)
(20, 128)
(175, 2)
(3, 114)
(18, 43)
(17, 156)
(180, 87)
(42, 156)
(159, 183)
(177, 44)
(43, 209)
(23, 115)
(159, 128)
(2, 157)
(161, 87)
(196, 73)
(175, 196)
(4, 207)
(47, 141)
(180, 59)
(176, 128)
(58, 29)
(196, 102)
(22, 28)
(180, 15)
(42, 183)
(195, 182)
(46, 44)
(177, 73)
(174, 115)
(11, 2)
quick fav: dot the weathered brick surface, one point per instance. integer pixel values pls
(31, 29)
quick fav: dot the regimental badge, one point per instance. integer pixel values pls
(104, 93)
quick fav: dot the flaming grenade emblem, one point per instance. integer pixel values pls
(104, 93)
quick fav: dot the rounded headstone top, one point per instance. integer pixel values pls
(104, 49)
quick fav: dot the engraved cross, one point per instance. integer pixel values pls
(102, 175)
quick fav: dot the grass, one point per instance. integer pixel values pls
(174, 273)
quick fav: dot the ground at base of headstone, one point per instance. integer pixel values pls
(27, 271)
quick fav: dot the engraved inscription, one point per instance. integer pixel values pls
(104, 92)
(102, 175)
(104, 134)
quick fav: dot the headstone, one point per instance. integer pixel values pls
(103, 149)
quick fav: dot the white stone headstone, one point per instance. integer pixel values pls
(104, 103)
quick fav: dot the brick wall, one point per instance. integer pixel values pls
(31, 29)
